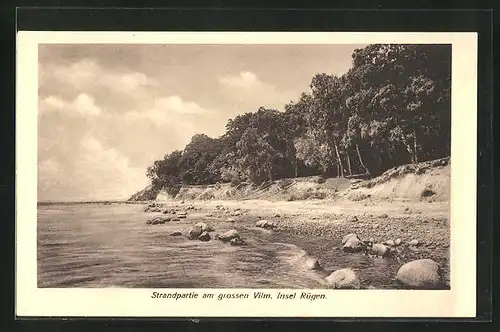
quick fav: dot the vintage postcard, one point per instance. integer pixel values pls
(199, 174)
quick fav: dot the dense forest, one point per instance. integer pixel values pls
(391, 108)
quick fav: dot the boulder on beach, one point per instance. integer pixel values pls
(229, 235)
(176, 234)
(236, 214)
(421, 273)
(265, 224)
(236, 242)
(230, 220)
(194, 232)
(398, 242)
(380, 249)
(204, 227)
(204, 237)
(157, 221)
(182, 213)
(353, 243)
(343, 279)
(347, 237)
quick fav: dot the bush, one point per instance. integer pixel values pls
(235, 182)
(285, 183)
(172, 191)
(427, 192)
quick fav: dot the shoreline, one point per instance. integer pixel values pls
(331, 220)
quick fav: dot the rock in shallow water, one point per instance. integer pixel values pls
(204, 227)
(176, 234)
(421, 273)
(204, 237)
(157, 221)
(347, 237)
(354, 244)
(379, 250)
(312, 264)
(229, 235)
(194, 232)
(343, 279)
(236, 242)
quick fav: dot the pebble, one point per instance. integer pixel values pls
(413, 243)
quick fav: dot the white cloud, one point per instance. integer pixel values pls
(168, 110)
(88, 73)
(96, 172)
(83, 104)
(245, 79)
(176, 104)
(248, 92)
(49, 167)
(107, 172)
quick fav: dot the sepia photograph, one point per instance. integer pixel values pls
(254, 166)
(235, 173)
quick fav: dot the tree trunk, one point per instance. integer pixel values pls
(361, 160)
(415, 152)
(338, 159)
(348, 162)
(296, 168)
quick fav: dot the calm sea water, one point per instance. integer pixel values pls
(97, 245)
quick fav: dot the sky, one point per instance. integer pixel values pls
(106, 112)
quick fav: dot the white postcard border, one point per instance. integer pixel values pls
(459, 301)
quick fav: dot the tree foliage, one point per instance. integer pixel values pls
(391, 108)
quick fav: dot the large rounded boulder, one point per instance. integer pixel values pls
(353, 244)
(421, 273)
(343, 279)
(194, 232)
(204, 227)
(229, 235)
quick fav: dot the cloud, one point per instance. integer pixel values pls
(49, 167)
(96, 172)
(83, 104)
(116, 89)
(245, 79)
(168, 110)
(249, 92)
(88, 72)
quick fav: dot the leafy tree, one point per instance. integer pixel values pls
(390, 108)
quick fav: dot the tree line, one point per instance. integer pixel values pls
(392, 107)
